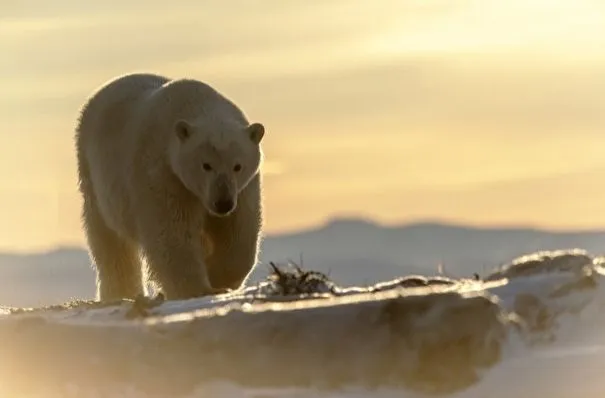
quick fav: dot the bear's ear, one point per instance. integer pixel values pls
(256, 131)
(183, 130)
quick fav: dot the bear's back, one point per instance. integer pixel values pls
(109, 108)
(104, 133)
(106, 145)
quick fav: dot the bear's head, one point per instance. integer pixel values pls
(216, 162)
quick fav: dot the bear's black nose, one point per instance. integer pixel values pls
(223, 206)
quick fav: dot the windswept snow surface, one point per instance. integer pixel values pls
(530, 329)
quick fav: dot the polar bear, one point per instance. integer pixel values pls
(168, 169)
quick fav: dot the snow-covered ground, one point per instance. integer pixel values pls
(533, 329)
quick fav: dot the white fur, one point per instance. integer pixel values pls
(142, 141)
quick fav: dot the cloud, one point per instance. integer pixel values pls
(93, 37)
(491, 26)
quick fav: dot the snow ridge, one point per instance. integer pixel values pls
(300, 334)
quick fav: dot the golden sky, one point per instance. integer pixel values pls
(483, 112)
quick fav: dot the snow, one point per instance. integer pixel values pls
(531, 329)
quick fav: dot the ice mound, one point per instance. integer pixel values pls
(299, 331)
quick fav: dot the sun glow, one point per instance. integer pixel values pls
(501, 26)
(388, 109)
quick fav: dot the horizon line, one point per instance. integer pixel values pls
(360, 220)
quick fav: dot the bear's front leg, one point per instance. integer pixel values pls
(175, 259)
(234, 242)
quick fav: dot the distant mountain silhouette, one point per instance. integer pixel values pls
(353, 251)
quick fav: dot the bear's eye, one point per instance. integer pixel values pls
(237, 167)
(207, 167)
